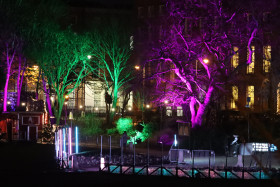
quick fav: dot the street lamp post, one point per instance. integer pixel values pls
(248, 115)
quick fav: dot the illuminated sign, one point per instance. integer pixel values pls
(263, 147)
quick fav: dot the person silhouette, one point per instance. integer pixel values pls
(124, 140)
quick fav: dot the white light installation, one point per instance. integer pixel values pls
(70, 141)
(64, 142)
(60, 143)
(102, 163)
(76, 140)
(175, 140)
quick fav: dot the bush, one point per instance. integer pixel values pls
(90, 124)
(126, 124)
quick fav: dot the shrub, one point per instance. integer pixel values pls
(90, 124)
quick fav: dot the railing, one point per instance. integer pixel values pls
(226, 173)
(109, 156)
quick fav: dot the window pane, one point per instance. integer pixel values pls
(250, 67)
(235, 58)
(266, 58)
(250, 95)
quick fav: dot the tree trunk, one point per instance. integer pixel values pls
(48, 101)
(59, 109)
(8, 74)
(6, 91)
(197, 118)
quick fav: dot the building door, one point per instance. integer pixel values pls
(32, 133)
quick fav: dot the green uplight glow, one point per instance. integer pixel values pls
(126, 124)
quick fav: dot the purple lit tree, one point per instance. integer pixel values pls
(13, 26)
(193, 56)
(9, 45)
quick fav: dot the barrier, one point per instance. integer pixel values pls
(180, 156)
(200, 157)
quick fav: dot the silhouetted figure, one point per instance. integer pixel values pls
(124, 140)
(235, 146)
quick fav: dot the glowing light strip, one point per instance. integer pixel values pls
(70, 140)
(60, 143)
(102, 163)
(56, 144)
(175, 140)
(77, 140)
(64, 142)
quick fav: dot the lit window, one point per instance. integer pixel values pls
(278, 99)
(266, 58)
(250, 96)
(168, 111)
(179, 111)
(251, 66)
(234, 97)
(131, 43)
(235, 58)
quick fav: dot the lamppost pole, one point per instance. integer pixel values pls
(248, 115)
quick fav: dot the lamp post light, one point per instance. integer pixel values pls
(137, 67)
(66, 98)
(205, 60)
(71, 117)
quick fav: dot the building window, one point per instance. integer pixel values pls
(249, 17)
(161, 10)
(266, 16)
(188, 26)
(131, 42)
(278, 99)
(168, 111)
(234, 97)
(235, 58)
(251, 66)
(150, 32)
(151, 11)
(179, 111)
(160, 32)
(266, 58)
(202, 24)
(250, 96)
(140, 12)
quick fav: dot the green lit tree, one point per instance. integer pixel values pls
(62, 56)
(110, 53)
